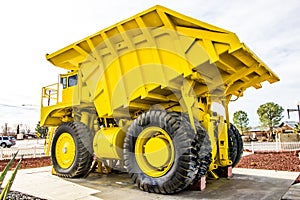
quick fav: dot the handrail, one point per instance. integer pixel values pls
(50, 95)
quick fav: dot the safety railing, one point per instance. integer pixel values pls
(50, 95)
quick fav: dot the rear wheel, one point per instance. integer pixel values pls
(204, 153)
(235, 145)
(204, 149)
(71, 150)
(235, 149)
(160, 152)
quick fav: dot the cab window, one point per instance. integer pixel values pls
(63, 81)
(72, 80)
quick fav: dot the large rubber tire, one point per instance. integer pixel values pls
(79, 140)
(235, 142)
(232, 145)
(185, 164)
(204, 153)
(204, 146)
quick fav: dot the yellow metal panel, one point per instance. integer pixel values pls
(108, 143)
(223, 144)
(208, 125)
(52, 115)
(48, 140)
(160, 46)
(123, 87)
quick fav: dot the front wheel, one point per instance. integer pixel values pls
(161, 152)
(71, 150)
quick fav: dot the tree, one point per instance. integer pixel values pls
(241, 120)
(297, 128)
(42, 130)
(5, 129)
(270, 115)
(18, 129)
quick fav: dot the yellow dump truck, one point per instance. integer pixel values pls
(150, 95)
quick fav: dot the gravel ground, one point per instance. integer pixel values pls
(15, 195)
(28, 162)
(281, 161)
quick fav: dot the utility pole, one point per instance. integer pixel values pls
(294, 110)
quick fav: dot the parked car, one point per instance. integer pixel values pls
(7, 141)
(29, 136)
(12, 138)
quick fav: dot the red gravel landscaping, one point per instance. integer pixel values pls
(28, 163)
(281, 161)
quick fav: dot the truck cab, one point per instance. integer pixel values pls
(59, 98)
(68, 83)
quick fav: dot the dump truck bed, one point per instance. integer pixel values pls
(142, 60)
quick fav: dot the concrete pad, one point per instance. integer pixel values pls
(292, 193)
(267, 173)
(41, 183)
(245, 184)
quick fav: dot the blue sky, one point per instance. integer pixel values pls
(32, 28)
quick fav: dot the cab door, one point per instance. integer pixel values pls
(69, 84)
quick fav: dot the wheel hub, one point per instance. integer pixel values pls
(154, 151)
(157, 152)
(65, 150)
